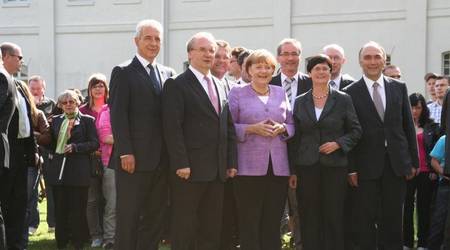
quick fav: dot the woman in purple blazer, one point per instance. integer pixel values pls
(263, 122)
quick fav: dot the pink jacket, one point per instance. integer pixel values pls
(103, 130)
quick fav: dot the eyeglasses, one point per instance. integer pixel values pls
(70, 102)
(20, 57)
(286, 54)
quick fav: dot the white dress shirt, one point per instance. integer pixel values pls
(200, 78)
(337, 81)
(24, 122)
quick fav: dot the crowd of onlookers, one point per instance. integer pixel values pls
(229, 154)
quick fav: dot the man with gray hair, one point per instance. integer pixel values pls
(200, 138)
(7, 101)
(337, 57)
(139, 155)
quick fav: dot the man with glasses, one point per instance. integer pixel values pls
(337, 57)
(293, 81)
(13, 182)
(392, 71)
(201, 141)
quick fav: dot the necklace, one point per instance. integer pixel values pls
(261, 93)
(321, 96)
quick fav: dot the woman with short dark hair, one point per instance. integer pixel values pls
(326, 129)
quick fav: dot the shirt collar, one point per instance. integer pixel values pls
(370, 82)
(144, 61)
(241, 81)
(199, 75)
(283, 77)
(337, 80)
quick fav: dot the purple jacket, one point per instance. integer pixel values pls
(254, 150)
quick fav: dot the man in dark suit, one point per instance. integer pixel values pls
(13, 182)
(386, 154)
(294, 82)
(139, 154)
(7, 101)
(337, 56)
(200, 138)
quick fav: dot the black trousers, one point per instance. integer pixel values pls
(350, 228)
(424, 188)
(141, 208)
(321, 194)
(230, 230)
(260, 204)
(196, 214)
(2, 232)
(380, 210)
(13, 194)
(70, 215)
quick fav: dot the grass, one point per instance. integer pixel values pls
(43, 240)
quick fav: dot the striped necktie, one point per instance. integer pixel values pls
(288, 87)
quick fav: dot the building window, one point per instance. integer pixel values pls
(80, 2)
(446, 63)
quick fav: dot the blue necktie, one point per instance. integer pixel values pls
(154, 79)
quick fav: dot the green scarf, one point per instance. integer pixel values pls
(64, 134)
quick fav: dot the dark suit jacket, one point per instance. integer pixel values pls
(13, 129)
(136, 115)
(7, 107)
(77, 169)
(397, 130)
(196, 136)
(431, 134)
(304, 82)
(338, 122)
(345, 81)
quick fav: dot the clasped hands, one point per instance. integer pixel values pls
(269, 128)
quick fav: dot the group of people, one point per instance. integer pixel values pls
(208, 163)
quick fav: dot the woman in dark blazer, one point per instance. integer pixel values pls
(424, 182)
(263, 121)
(326, 129)
(74, 138)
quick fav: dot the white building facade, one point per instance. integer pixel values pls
(66, 41)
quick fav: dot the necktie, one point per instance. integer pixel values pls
(333, 84)
(288, 87)
(212, 94)
(377, 100)
(154, 79)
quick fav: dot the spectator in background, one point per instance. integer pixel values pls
(423, 183)
(97, 97)
(221, 63)
(392, 71)
(105, 135)
(73, 140)
(440, 89)
(235, 68)
(37, 86)
(245, 78)
(430, 80)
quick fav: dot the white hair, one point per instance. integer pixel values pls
(335, 47)
(148, 23)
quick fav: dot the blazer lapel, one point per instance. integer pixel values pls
(198, 88)
(142, 73)
(329, 104)
(221, 94)
(388, 92)
(309, 106)
(365, 96)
